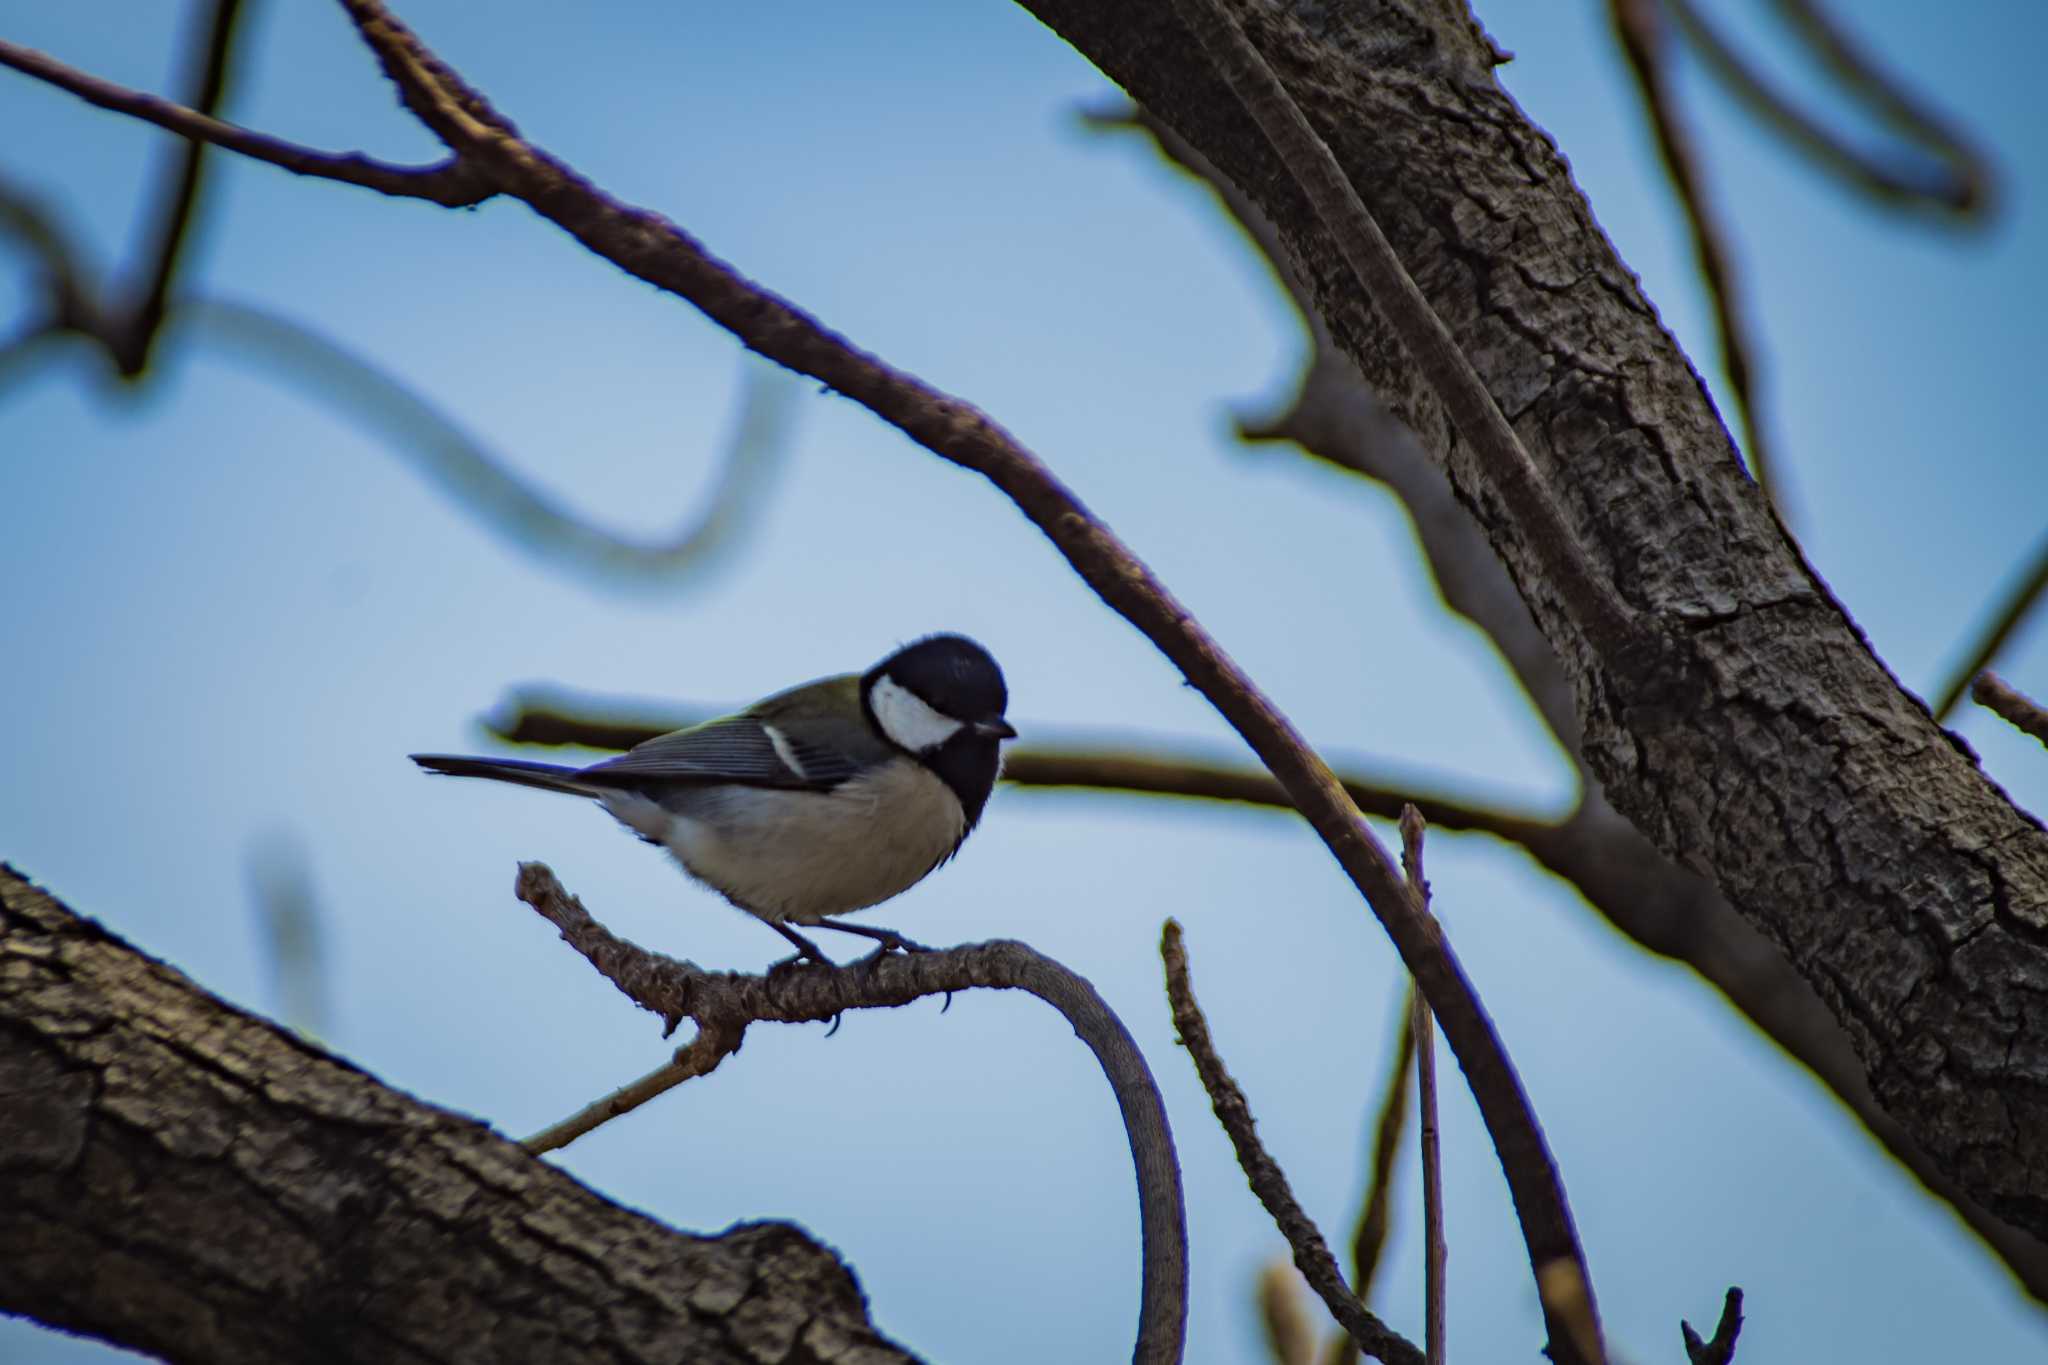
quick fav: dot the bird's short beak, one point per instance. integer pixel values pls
(998, 728)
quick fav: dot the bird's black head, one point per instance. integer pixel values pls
(942, 699)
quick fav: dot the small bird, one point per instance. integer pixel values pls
(829, 797)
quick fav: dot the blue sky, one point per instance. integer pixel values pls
(241, 611)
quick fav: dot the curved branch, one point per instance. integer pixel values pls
(1964, 189)
(292, 1208)
(723, 1004)
(448, 183)
(476, 480)
(1311, 1254)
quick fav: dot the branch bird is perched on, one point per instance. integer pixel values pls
(826, 798)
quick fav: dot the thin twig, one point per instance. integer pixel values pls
(1639, 27)
(1370, 1237)
(1721, 1350)
(1311, 1254)
(2029, 586)
(1962, 190)
(481, 484)
(723, 1004)
(698, 1057)
(449, 183)
(1375, 1213)
(2015, 707)
(1435, 1253)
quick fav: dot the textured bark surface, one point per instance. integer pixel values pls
(191, 1181)
(1764, 746)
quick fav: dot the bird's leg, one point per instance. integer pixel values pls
(889, 939)
(805, 949)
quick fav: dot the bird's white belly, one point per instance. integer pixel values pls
(799, 856)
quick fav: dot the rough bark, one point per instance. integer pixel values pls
(191, 1181)
(1763, 745)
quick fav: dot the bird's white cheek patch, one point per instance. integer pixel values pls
(907, 719)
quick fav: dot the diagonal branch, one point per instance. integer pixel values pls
(1962, 189)
(448, 183)
(723, 1004)
(1311, 1254)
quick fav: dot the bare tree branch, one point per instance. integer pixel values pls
(1640, 28)
(723, 1004)
(1434, 1251)
(1311, 1254)
(447, 183)
(2028, 588)
(195, 1183)
(2012, 705)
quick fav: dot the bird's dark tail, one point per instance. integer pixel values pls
(547, 776)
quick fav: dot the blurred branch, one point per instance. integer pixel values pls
(1434, 1254)
(1335, 416)
(1311, 1254)
(2013, 706)
(724, 1004)
(135, 330)
(2028, 588)
(698, 1057)
(1290, 1336)
(1963, 186)
(288, 931)
(1639, 27)
(1721, 1350)
(481, 485)
(450, 183)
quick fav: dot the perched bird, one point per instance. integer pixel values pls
(826, 798)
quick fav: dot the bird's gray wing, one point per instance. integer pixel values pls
(748, 749)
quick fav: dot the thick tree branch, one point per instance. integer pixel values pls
(1766, 748)
(1311, 1253)
(723, 1004)
(1664, 907)
(159, 1147)
(448, 183)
